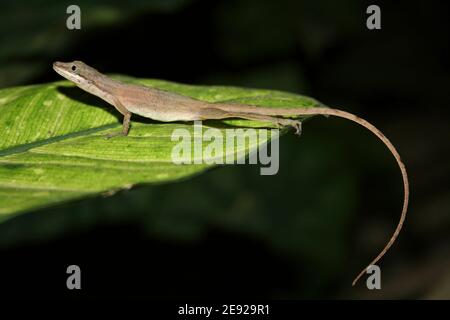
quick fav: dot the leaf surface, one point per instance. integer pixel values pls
(53, 146)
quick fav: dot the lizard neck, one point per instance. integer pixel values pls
(102, 87)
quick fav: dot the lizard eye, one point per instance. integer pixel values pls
(74, 67)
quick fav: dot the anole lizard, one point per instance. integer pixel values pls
(167, 107)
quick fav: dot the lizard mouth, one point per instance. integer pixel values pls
(59, 67)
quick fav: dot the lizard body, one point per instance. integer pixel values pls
(168, 107)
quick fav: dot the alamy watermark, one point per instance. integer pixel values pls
(373, 21)
(73, 21)
(229, 146)
(74, 279)
(374, 280)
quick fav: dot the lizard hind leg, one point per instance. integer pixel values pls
(216, 113)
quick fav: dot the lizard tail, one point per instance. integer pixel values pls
(360, 121)
(390, 146)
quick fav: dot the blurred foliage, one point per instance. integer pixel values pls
(33, 32)
(310, 230)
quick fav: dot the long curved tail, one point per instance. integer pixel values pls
(382, 137)
(362, 122)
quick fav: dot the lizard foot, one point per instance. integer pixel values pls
(297, 125)
(298, 128)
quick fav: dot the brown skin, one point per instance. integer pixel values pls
(167, 107)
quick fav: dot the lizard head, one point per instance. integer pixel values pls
(76, 71)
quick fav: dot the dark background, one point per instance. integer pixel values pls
(229, 233)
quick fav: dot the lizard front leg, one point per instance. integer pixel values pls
(126, 120)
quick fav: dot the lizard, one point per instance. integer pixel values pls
(161, 105)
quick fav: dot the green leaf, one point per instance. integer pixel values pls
(53, 146)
